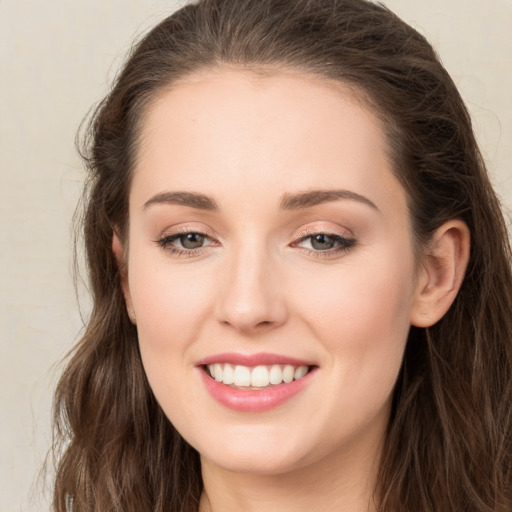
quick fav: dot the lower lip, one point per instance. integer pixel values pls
(250, 400)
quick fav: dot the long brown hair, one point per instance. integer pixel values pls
(448, 445)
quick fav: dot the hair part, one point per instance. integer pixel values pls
(448, 445)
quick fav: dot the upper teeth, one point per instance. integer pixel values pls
(258, 376)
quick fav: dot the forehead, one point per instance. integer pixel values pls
(261, 132)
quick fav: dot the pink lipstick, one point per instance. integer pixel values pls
(256, 382)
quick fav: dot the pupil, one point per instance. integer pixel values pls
(322, 242)
(192, 241)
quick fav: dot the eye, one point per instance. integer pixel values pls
(322, 242)
(192, 240)
(328, 243)
(185, 243)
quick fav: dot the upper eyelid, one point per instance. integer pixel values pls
(168, 237)
(185, 230)
(176, 236)
(309, 231)
(302, 234)
(342, 238)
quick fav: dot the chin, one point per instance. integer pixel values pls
(265, 452)
(264, 464)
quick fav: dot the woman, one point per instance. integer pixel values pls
(300, 272)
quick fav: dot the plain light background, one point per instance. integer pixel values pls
(56, 60)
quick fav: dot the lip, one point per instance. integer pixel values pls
(251, 400)
(260, 359)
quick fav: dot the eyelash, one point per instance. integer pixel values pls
(344, 243)
(166, 242)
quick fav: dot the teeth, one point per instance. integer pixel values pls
(229, 374)
(276, 374)
(256, 377)
(288, 373)
(242, 376)
(259, 377)
(218, 372)
(299, 372)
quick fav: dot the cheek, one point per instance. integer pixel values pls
(364, 296)
(361, 318)
(361, 315)
(170, 303)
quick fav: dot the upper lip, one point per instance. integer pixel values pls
(260, 359)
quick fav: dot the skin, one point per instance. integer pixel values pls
(259, 285)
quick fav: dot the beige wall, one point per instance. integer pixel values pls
(55, 60)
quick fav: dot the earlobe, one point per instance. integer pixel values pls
(443, 269)
(117, 249)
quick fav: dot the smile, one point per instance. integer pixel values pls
(257, 382)
(257, 377)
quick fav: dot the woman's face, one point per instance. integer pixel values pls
(268, 238)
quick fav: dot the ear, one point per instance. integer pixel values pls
(117, 249)
(442, 273)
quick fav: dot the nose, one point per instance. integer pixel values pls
(252, 298)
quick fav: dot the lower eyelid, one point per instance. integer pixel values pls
(173, 238)
(342, 244)
(168, 242)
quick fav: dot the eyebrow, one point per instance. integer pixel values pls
(297, 201)
(316, 197)
(192, 199)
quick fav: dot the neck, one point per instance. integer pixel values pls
(344, 484)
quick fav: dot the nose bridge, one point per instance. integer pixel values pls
(251, 298)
